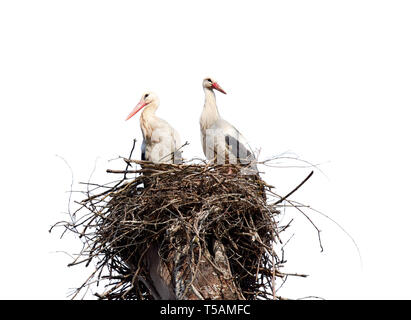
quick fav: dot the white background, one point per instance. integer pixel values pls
(326, 81)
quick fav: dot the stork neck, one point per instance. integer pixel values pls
(146, 119)
(210, 112)
(150, 110)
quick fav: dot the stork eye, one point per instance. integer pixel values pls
(209, 80)
(146, 95)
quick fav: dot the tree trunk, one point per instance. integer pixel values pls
(189, 274)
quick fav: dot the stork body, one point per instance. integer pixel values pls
(161, 142)
(221, 141)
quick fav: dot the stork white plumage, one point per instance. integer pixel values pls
(221, 141)
(161, 142)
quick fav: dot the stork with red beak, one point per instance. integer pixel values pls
(161, 142)
(221, 141)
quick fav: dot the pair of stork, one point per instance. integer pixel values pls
(221, 141)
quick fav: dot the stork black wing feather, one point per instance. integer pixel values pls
(143, 151)
(238, 149)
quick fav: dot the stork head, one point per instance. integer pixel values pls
(146, 99)
(209, 83)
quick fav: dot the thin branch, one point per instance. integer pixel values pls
(295, 189)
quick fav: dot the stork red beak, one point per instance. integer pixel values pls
(217, 87)
(136, 109)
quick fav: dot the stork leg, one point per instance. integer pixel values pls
(227, 161)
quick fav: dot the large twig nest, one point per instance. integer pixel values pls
(190, 215)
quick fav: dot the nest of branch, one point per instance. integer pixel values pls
(190, 215)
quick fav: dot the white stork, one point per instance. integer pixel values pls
(221, 140)
(161, 142)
